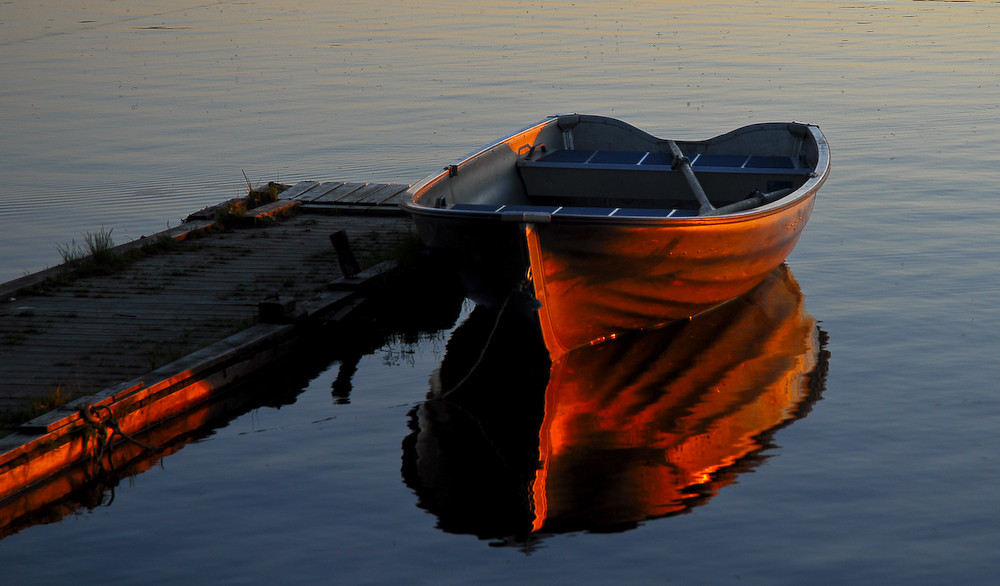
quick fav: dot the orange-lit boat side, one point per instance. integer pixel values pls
(597, 281)
(623, 230)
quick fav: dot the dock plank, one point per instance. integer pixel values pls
(359, 195)
(296, 191)
(376, 194)
(393, 195)
(320, 190)
(341, 193)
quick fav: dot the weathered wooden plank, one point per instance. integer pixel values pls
(297, 190)
(374, 195)
(270, 209)
(359, 195)
(394, 197)
(340, 192)
(320, 190)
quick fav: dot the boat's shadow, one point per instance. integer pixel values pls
(644, 426)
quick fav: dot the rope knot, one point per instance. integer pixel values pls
(101, 418)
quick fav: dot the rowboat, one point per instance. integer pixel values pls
(621, 230)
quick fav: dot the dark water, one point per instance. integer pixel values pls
(130, 116)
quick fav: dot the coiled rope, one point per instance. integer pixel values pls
(101, 418)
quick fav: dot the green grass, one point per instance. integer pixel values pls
(97, 256)
(98, 248)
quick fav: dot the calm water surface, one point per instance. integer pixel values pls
(130, 115)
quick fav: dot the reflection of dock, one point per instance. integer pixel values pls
(193, 310)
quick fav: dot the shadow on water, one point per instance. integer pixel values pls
(645, 426)
(381, 323)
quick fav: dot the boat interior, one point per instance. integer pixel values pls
(649, 180)
(594, 166)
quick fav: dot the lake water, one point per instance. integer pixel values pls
(130, 115)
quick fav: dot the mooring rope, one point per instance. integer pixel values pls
(91, 415)
(520, 288)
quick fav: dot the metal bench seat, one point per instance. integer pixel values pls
(651, 175)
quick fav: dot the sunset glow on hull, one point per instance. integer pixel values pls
(598, 281)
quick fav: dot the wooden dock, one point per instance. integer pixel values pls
(201, 306)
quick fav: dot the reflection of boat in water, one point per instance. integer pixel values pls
(639, 427)
(627, 229)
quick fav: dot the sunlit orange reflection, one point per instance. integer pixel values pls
(89, 482)
(637, 427)
(641, 427)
